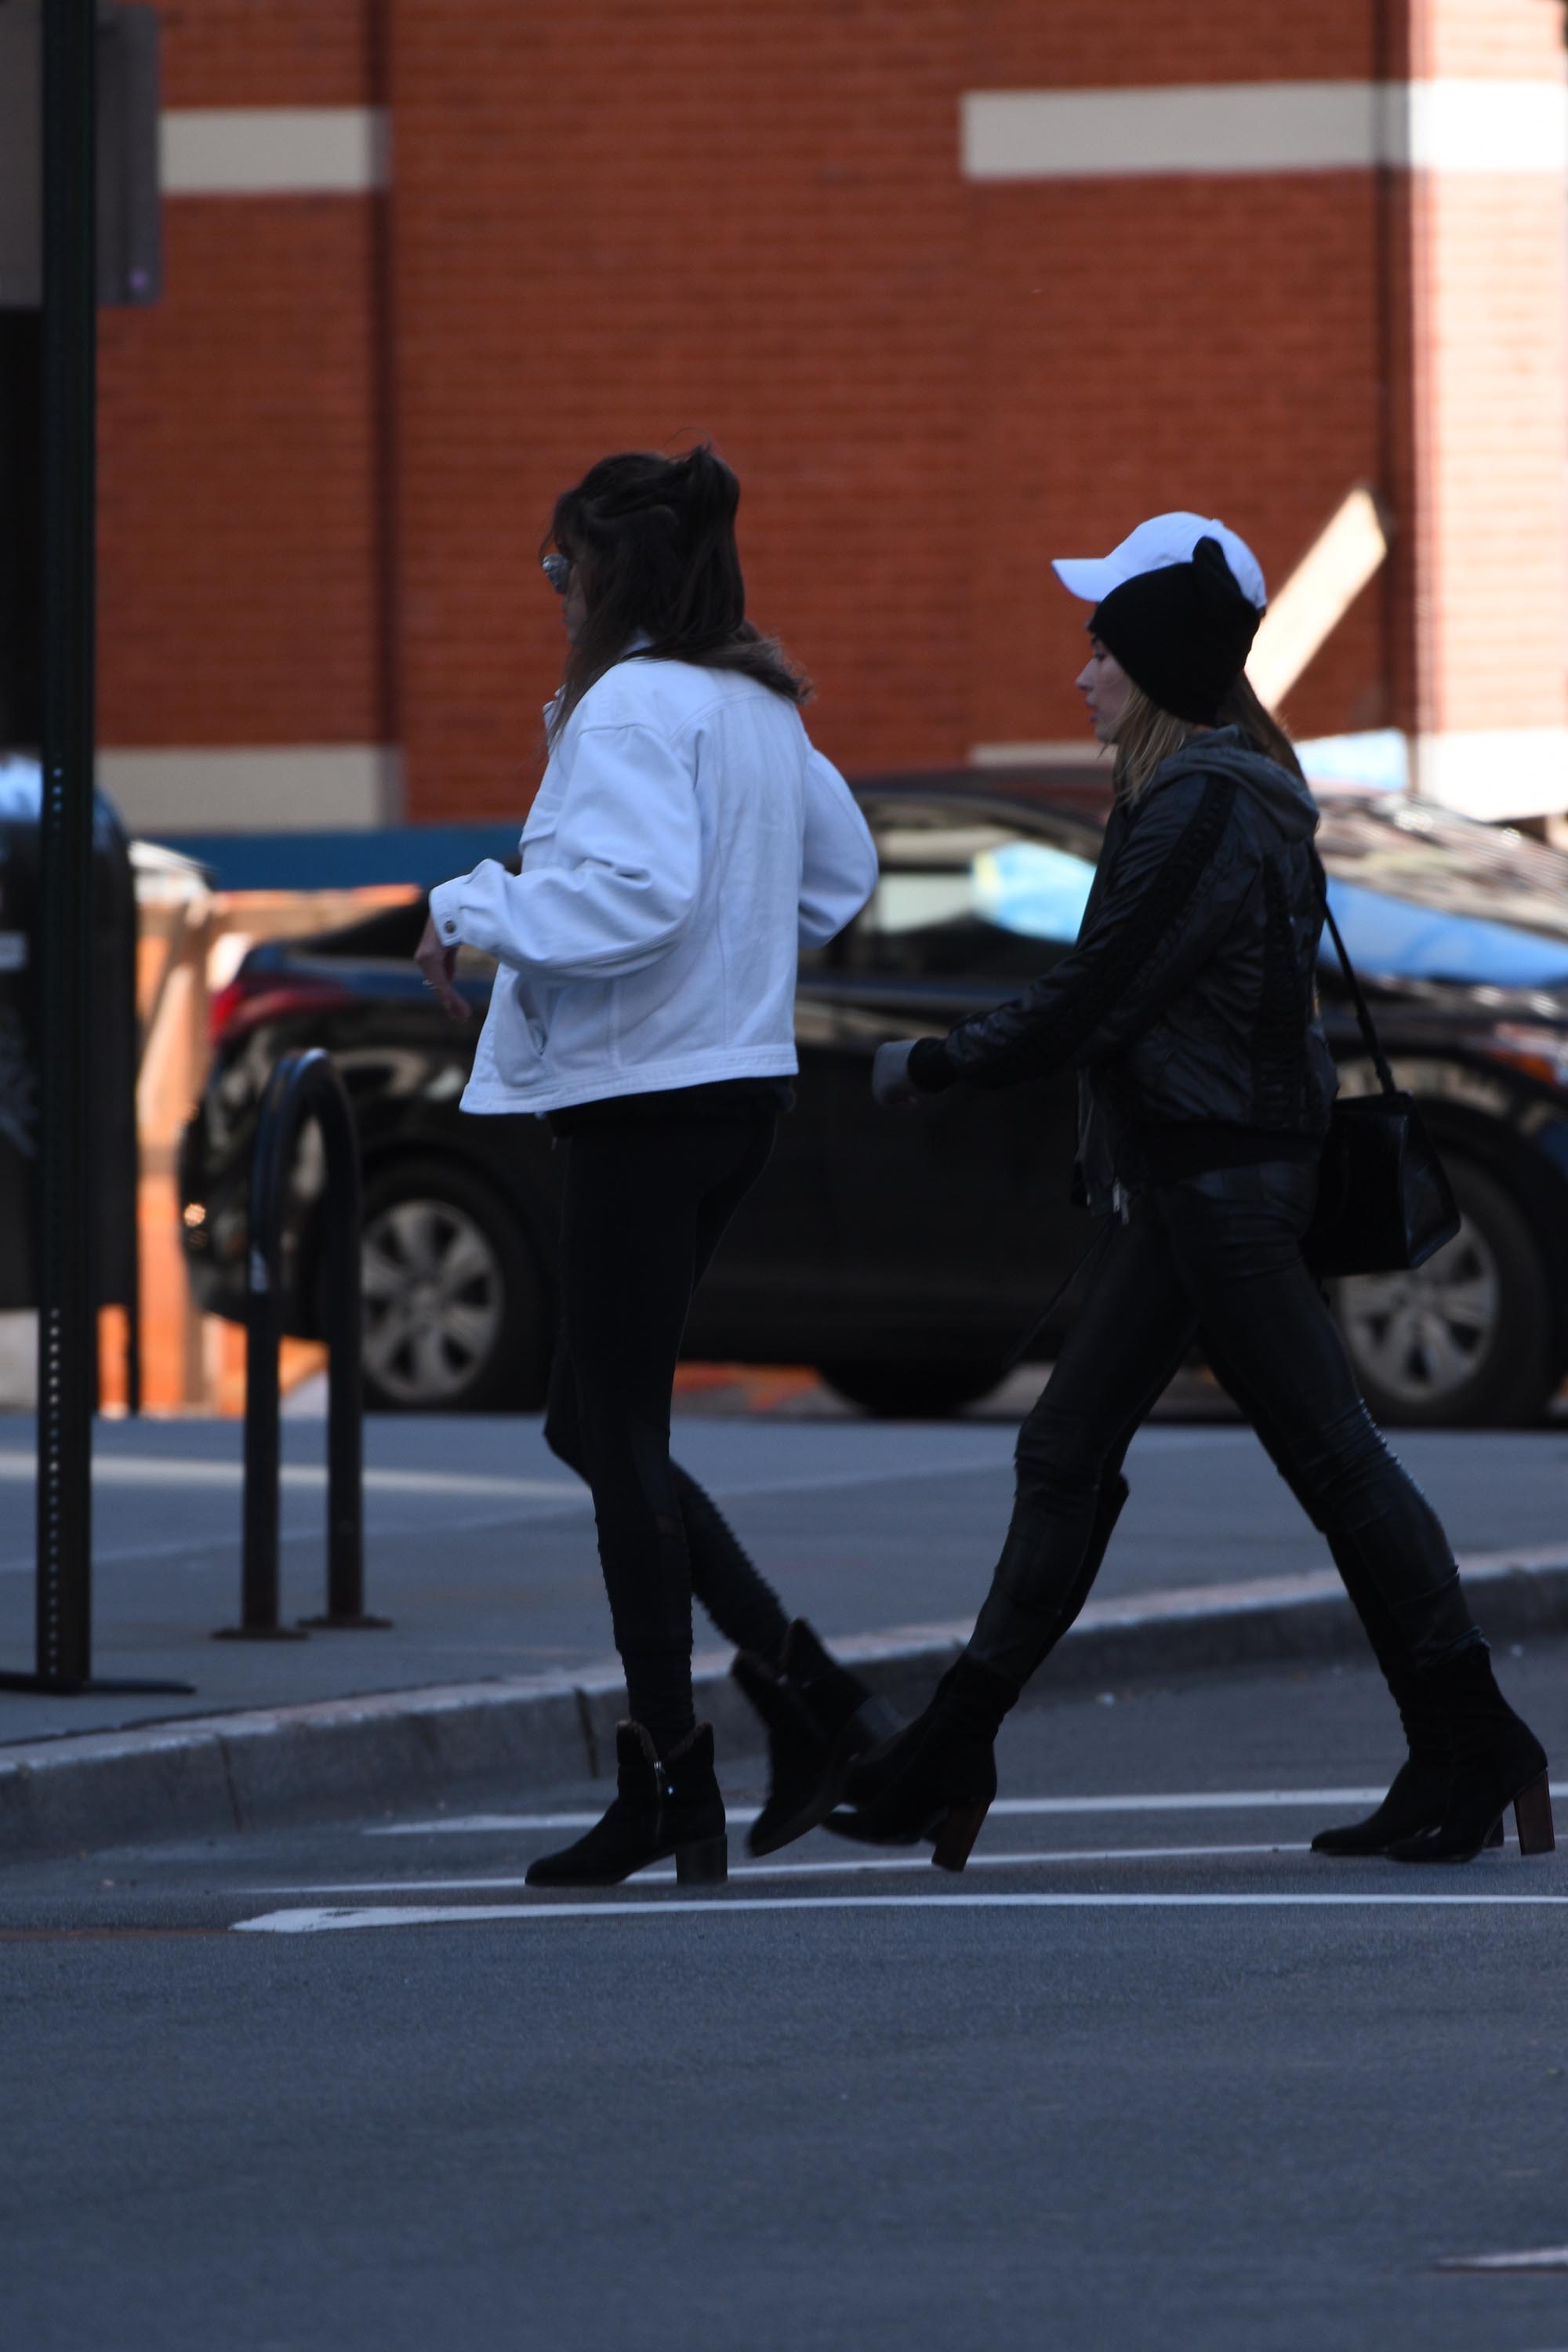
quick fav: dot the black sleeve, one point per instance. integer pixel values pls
(1171, 896)
(931, 1066)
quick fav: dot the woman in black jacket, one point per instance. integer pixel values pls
(1189, 1006)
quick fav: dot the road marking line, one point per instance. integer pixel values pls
(1534, 2258)
(436, 1915)
(796, 1869)
(1239, 1800)
(194, 1470)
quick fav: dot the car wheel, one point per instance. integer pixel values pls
(1467, 1339)
(454, 1308)
(912, 1392)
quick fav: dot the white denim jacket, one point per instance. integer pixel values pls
(686, 841)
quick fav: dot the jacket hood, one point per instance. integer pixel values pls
(1224, 752)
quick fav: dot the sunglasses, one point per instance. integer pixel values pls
(557, 570)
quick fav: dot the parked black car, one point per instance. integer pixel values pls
(903, 1254)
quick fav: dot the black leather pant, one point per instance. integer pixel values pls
(1221, 1254)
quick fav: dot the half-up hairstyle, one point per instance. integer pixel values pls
(654, 540)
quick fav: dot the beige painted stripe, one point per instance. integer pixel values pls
(1249, 126)
(302, 787)
(1493, 772)
(1081, 752)
(1346, 554)
(268, 151)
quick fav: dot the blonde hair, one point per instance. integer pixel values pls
(1147, 735)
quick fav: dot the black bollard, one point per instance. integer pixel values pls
(304, 1085)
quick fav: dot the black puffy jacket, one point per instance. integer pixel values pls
(1189, 1001)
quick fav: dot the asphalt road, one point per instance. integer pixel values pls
(1147, 2077)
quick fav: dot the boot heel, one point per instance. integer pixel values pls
(1533, 1818)
(956, 1832)
(704, 1862)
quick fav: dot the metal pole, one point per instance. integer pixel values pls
(67, 1238)
(345, 1609)
(68, 1334)
(274, 1131)
(302, 1087)
(258, 1559)
(345, 1408)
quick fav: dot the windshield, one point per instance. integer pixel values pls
(1420, 894)
(977, 889)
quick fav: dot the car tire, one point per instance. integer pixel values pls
(455, 1310)
(1468, 1339)
(912, 1392)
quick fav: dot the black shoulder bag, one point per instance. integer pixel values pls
(1385, 1202)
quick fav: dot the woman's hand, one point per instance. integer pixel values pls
(891, 1082)
(437, 964)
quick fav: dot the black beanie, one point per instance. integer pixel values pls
(1181, 633)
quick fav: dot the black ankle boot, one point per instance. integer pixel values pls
(938, 1777)
(658, 1809)
(1496, 1761)
(1413, 1804)
(819, 1717)
(1416, 1800)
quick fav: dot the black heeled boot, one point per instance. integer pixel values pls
(1419, 1791)
(658, 1809)
(819, 1717)
(1413, 1805)
(1494, 1761)
(938, 1777)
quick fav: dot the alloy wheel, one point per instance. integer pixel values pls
(1420, 1337)
(434, 1299)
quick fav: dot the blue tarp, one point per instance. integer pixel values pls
(422, 853)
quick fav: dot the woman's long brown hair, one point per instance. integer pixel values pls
(654, 539)
(1147, 735)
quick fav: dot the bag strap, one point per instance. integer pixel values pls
(1362, 1011)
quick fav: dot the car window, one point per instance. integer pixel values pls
(967, 890)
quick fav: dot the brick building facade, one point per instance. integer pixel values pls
(955, 284)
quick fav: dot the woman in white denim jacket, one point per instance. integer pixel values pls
(686, 841)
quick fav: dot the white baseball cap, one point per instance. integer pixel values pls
(1163, 539)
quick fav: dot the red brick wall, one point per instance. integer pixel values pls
(616, 225)
(756, 226)
(613, 225)
(1494, 598)
(1182, 342)
(267, 52)
(1135, 44)
(238, 500)
(1500, 38)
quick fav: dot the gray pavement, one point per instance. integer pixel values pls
(480, 1545)
(1147, 2077)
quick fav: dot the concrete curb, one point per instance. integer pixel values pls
(272, 1767)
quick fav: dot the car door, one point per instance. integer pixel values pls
(952, 1225)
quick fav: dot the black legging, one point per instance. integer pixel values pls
(646, 1201)
(1220, 1254)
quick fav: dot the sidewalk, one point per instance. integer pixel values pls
(480, 1546)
